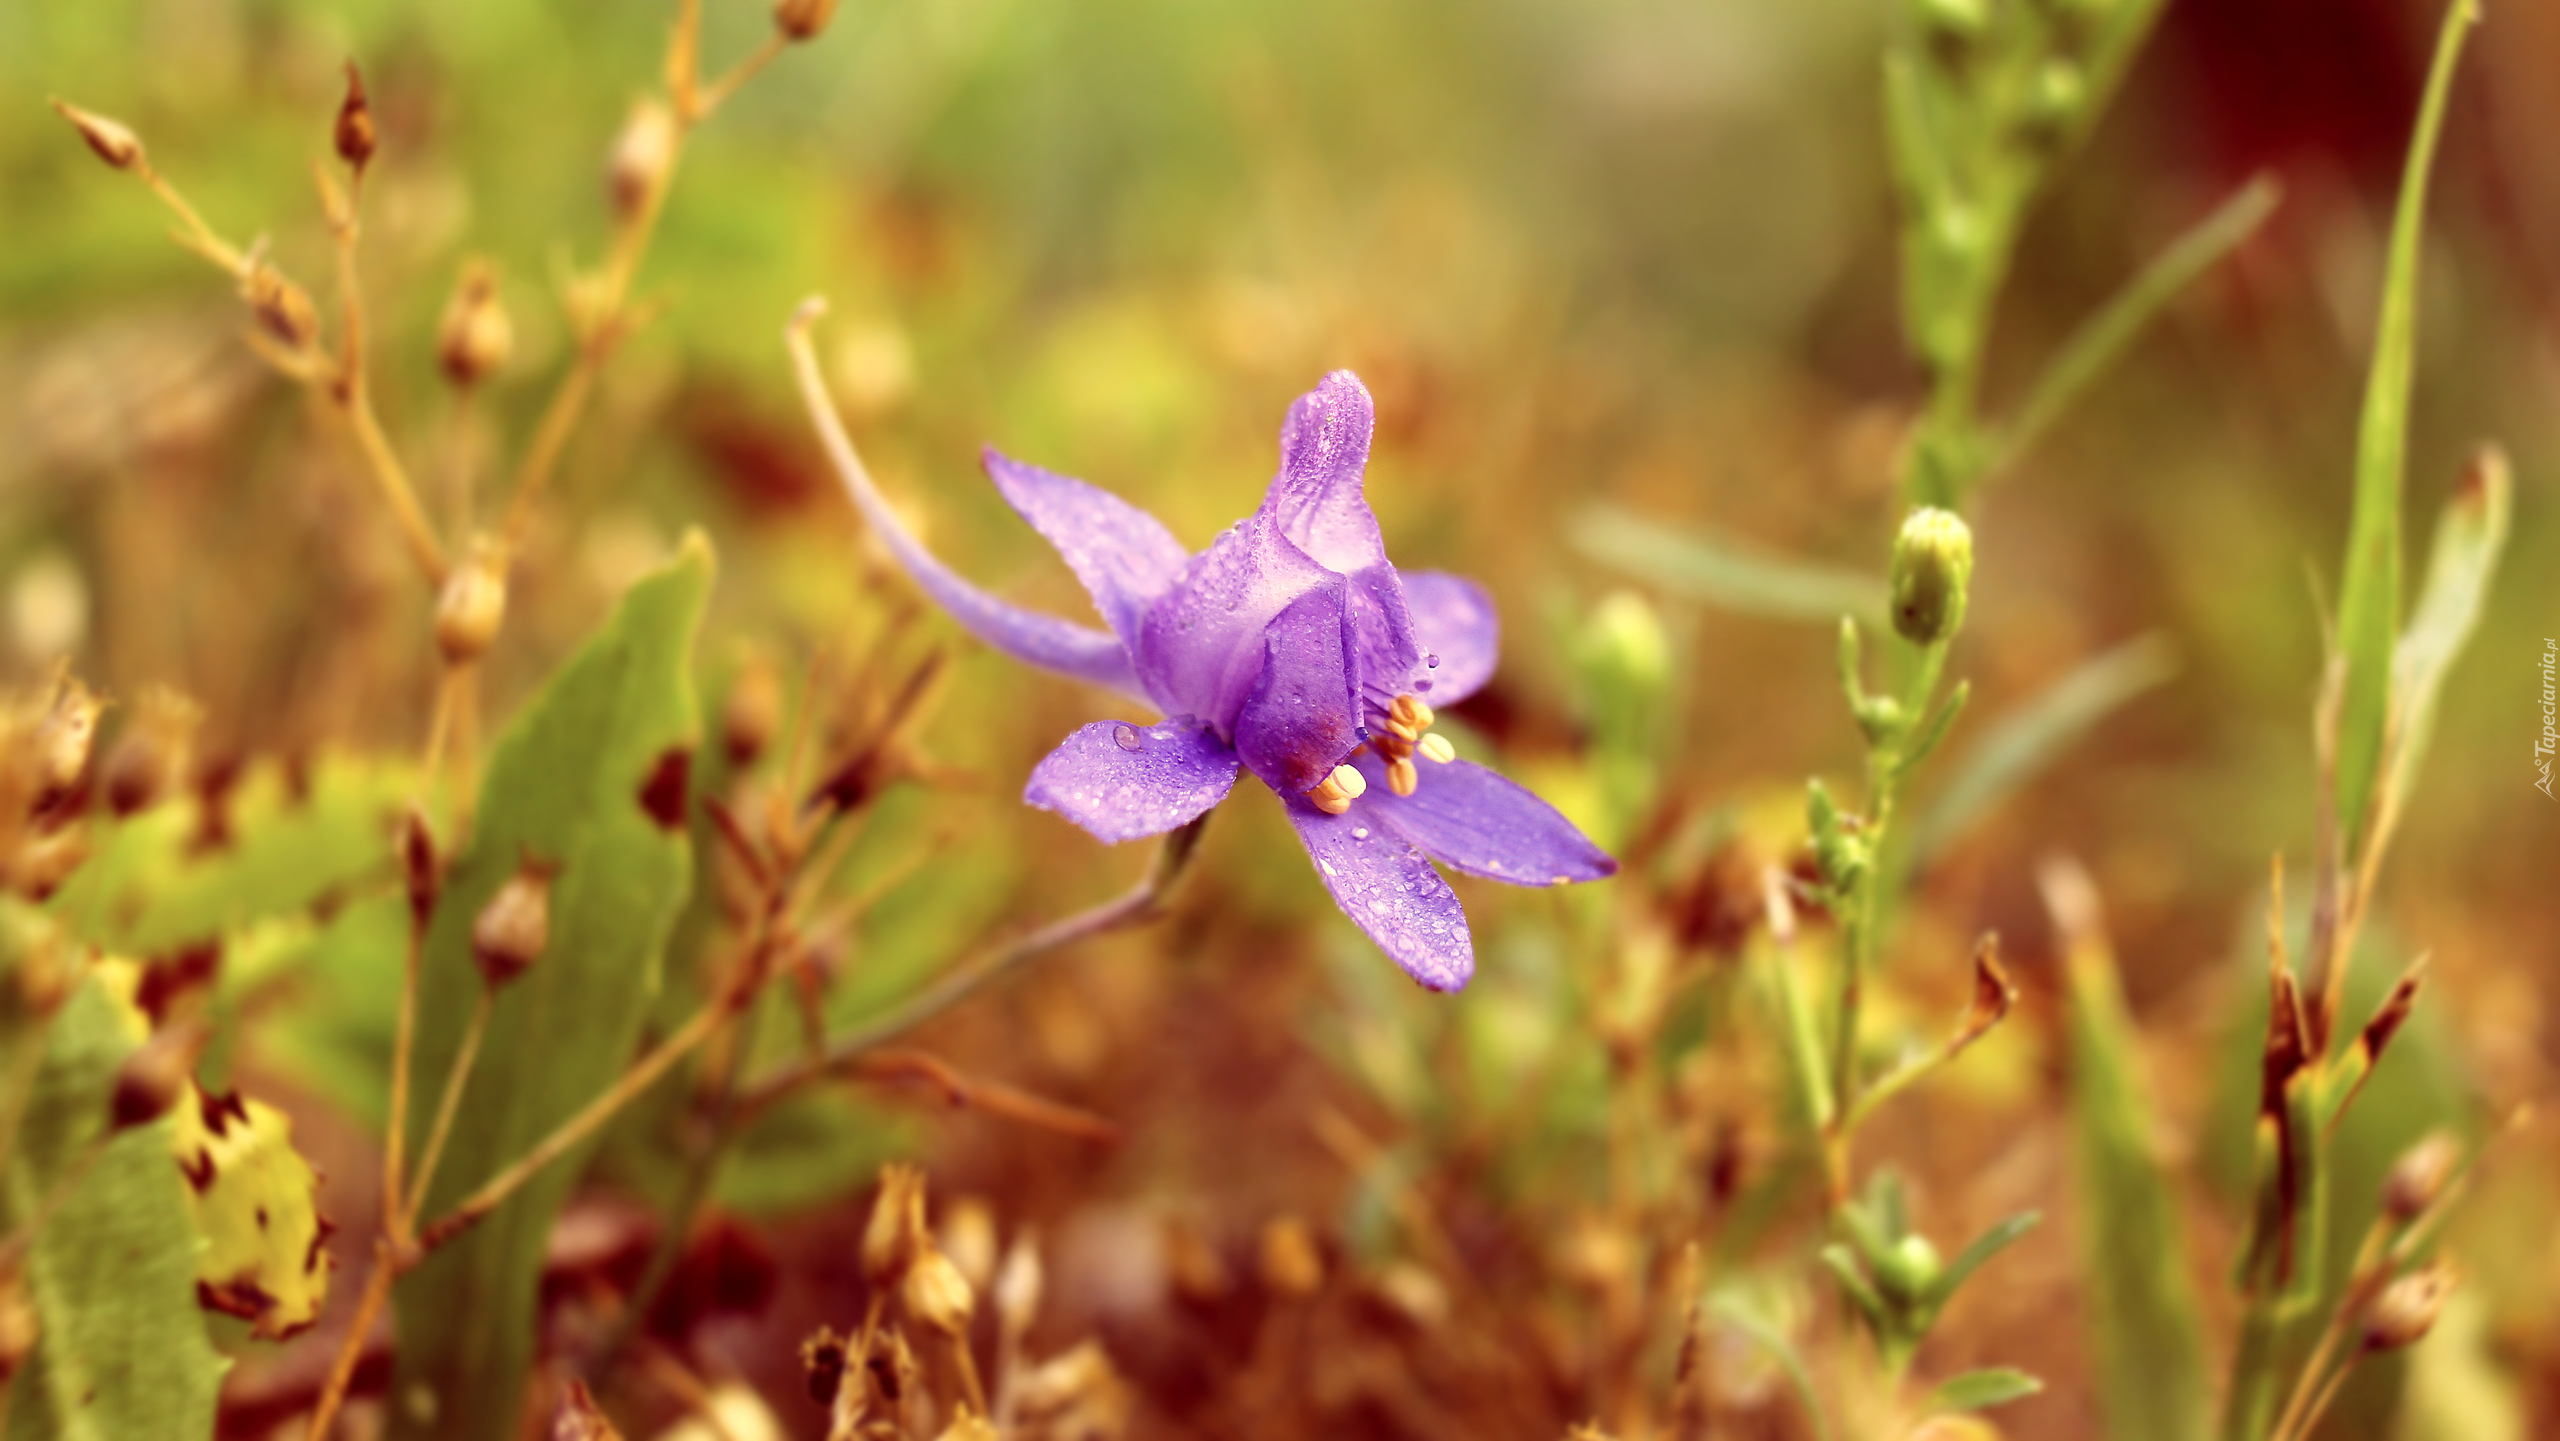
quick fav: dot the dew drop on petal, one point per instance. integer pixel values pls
(1432, 661)
(1377, 905)
(1127, 736)
(1359, 833)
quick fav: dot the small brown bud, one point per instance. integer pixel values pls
(801, 20)
(281, 306)
(510, 932)
(936, 1294)
(354, 132)
(2419, 1176)
(473, 604)
(476, 337)
(896, 1232)
(642, 155)
(1291, 1264)
(420, 870)
(153, 1077)
(2407, 1308)
(115, 144)
(151, 756)
(753, 712)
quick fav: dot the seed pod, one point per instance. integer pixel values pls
(281, 306)
(802, 20)
(354, 131)
(2407, 1308)
(753, 712)
(510, 932)
(115, 144)
(153, 1077)
(1932, 570)
(420, 869)
(896, 1232)
(935, 1292)
(641, 156)
(475, 337)
(2419, 1176)
(473, 605)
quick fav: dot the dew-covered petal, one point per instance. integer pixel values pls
(1389, 890)
(1454, 623)
(1386, 656)
(1317, 498)
(1300, 721)
(1200, 649)
(1473, 820)
(1124, 556)
(1122, 781)
(1043, 640)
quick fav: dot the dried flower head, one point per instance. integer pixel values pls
(512, 930)
(896, 1232)
(353, 134)
(472, 607)
(802, 20)
(283, 308)
(2419, 1176)
(935, 1293)
(642, 155)
(2407, 1308)
(114, 143)
(475, 337)
(822, 1361)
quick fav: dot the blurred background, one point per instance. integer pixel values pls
(1628, 251)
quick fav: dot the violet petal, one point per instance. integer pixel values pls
(1389, 890)
(1200, 649)
(1317, 498)
(1124, 556)
(1454, 623)
(1299, 723)
(1472, 819)
(1122, 781)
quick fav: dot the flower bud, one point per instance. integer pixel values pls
(801, 20)
(2419, 1176)
(935, 1292)
(510, 932)
(281, 306)
(473, 604)
(753, 712)
(152, 754)
(642, 154)
(2407, 1308)
(114, 144)
(1932, 570)
(420, 870)
(153, 1076)
(1907, 1269)
(891, 1240)
(475, 337)
(353, 134)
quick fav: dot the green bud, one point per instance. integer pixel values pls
(2056, 94)
(1839, 853)
(1623, 643)
(1906, 1270)
(1932, 570)
(1955, 19)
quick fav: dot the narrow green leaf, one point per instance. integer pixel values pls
(1981, 1390)
(2103, 337)
(2149, 1344)
(2468, 542)
(1985, 1246)
(579, 781)
(2369, 596)
(1738, 1311)
(121, 1349)
(2019, 747)
(1725, 573)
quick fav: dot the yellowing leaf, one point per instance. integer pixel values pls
(252, 1198)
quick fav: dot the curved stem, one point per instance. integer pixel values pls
(455, 1081)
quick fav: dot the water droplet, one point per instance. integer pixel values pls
(1127, 736)
(1377, 906)
(1359, 833)
(1422, 687)
(1432, 661)
(1328, 867)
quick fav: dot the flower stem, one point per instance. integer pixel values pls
(456, 1080)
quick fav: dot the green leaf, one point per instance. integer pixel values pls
(2149, 1345)
(565, 785)
(121, 1348)
(2469, 540)
(1981, 1390)
(2369, 596)
(254, 1200)
(1725, 573)
(1985, 1246)
(2021, 744)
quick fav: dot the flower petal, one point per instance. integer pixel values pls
(1389, 890)
(1046, 641)
(1454, 622)
(1473, 820)
(1121, 781)
(1300, 722)
(1124, 556)
(1317, 497)
(1200, 649)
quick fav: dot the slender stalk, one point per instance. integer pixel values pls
(387, 1265)
(404, 1042)
(355, 396)
(456, 1081)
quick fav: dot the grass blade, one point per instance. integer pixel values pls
(2029, 739)
(1981, 1390)
(2369, 596)
(2463, 562)
(1725, 573)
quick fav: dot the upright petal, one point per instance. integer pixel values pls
(1121, 781)
(1027, 635)
(1389, 890)
(1300, 721)
(1472, 819)
(1200, 648)
(1124, 556)
(1386, 658)
(1317, 498)
(1453, 621)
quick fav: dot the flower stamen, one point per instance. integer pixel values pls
(1407, 728)
(1338, 790)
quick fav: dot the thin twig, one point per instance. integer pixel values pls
(387, 1266)
(457, 1079)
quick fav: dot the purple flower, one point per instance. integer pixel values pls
(1290, 646)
